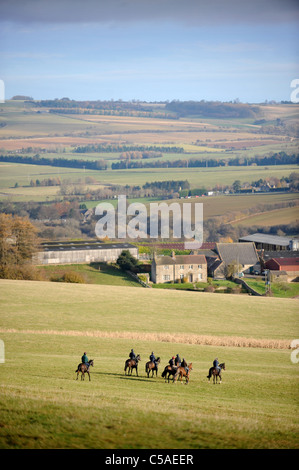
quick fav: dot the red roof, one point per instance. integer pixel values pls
(287, 261)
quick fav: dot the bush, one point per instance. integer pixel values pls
(126, 261)
(72, 276)
(68, 276)
(209, 288)
(24, 272)
(234, 290)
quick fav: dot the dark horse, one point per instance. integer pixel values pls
(215, 373)
(132, 364)
(83, 368)
(181, 372)
(152, 366)
(170, 371)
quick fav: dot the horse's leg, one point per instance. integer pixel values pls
(88, 375)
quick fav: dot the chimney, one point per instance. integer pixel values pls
(173, 254)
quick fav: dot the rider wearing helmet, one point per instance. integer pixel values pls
(216, 365)
(171, 361)
(132, 355)
(84, 359)
(152, 358)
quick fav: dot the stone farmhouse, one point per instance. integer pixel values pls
(175, 268)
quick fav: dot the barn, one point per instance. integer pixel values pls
(81, 252)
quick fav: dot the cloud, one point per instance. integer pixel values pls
(192, 12)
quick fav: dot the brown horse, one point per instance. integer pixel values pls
(132, 364)
(170, 371)
(181, 372)
(152, 366)
(216, 373)
(83, 368)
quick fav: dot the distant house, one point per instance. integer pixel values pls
(243, 255)
(174, 268)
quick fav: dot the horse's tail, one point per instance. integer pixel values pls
(210, 373)
(164, 372)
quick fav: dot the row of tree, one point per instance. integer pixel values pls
(279, 158)
(115, 148)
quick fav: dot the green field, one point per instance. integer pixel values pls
(47, 326)
(207, 178)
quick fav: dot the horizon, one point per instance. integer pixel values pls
(150, 51)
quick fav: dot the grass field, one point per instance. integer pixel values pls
(47, 326)
(94, 273)
(198, 177)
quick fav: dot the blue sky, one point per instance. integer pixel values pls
(149, 50)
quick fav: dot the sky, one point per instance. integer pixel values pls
(150, 50)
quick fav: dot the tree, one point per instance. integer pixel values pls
(236, 186)
(18, 243)
(126, 261)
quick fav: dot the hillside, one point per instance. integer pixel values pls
(47, 326)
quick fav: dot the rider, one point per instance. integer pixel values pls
(153, 359)
(171, 361)
(84, 359)
(184, 364)
(132, 355)
(177, 360)
(216, 365)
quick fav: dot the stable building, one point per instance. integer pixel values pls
(266, 242)
(81, 252)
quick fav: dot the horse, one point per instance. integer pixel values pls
(152, 366)
(83, 368)
(170, 371)
(132, 364)
(181, 372)
(215, 373)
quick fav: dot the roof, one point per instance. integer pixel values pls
(180, 259)
(180, 245)
(242, 253)
(267, 255)
(88, 245)
(287, 261)
(265, 238)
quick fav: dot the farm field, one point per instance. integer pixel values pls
(24, 126)
(47, 326)
(270, 218)
(13, 173)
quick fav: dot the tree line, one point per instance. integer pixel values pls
(279, 158)
(115, 148)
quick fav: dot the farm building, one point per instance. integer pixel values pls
(242, 254)
(175, 268)
(81, 252)
(288, 265)
(267, 242)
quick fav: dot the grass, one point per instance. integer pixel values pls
(47, 326)
(279, 289)
(94, 273)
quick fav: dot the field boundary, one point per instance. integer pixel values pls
(205, 340)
